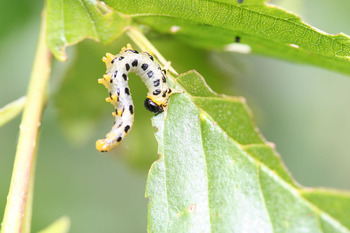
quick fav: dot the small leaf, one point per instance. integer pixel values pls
(216, 173)
(11, 110)
(61, 225)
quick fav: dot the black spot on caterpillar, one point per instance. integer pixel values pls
(116, 80)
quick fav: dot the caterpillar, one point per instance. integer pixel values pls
(116, 81)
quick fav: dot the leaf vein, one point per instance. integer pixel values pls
(91, 19)
(263, 198)
(207, 175)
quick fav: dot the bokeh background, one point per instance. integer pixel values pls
(304, 110)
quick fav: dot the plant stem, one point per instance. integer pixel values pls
(143, 43)
(11, 110)
(27, 218)
(27, 142)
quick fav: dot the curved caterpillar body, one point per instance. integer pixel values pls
(116, 81)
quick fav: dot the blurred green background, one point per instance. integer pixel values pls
(304, 110)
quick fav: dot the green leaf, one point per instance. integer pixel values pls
(61, 225)
(259, 27)
(69, 22)
(266, 29)
(11, 110)
(325, 200)
(216, 173)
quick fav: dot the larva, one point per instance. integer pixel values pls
(116, 81)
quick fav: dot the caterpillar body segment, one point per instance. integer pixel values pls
(116, 81)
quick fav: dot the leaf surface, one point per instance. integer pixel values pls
(216, 173)
(239, 26)
(69, 22)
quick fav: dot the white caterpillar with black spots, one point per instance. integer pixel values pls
(116, 81)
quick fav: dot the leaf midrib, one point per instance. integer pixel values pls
(264, 199)
(206, 171)
(91, 20)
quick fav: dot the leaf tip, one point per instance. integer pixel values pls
(271, 145)
(61, 225)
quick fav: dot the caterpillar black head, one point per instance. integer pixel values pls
(152, 106)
